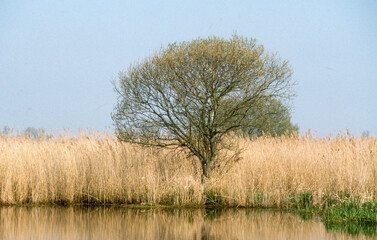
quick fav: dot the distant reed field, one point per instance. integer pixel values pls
(273, 172)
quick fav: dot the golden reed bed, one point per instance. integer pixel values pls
(96, 168)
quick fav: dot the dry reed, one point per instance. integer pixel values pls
(96, 168)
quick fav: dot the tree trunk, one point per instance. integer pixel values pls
(207, 167)
(208, 161)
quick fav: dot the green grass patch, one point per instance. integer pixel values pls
(344, 213)
(213, 199)
(351, 212)
(352, 217)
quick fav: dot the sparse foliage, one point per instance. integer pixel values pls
(30, 132)
(272, 118)
(36, 133)
(190, 95)
(6, 130)
(366, 134)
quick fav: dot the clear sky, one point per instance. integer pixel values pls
(58, 58)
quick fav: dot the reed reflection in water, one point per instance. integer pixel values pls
(124, 223)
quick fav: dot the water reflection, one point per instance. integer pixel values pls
(121, 223)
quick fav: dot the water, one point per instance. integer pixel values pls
(71, 223)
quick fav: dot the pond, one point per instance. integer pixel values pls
(125, 223)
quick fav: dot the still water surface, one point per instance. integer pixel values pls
(121, 223)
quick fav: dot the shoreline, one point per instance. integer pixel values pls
(331, 177)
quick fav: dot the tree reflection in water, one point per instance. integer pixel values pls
(124, 223)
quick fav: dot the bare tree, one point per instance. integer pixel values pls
(190, 95)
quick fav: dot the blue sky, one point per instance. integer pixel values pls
(58, 58)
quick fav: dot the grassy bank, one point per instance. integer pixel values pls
(274, 172)
(343, 214)
(352, 217)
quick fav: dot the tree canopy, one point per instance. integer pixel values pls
(190, 95)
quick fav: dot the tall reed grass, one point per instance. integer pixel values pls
(273, 172)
